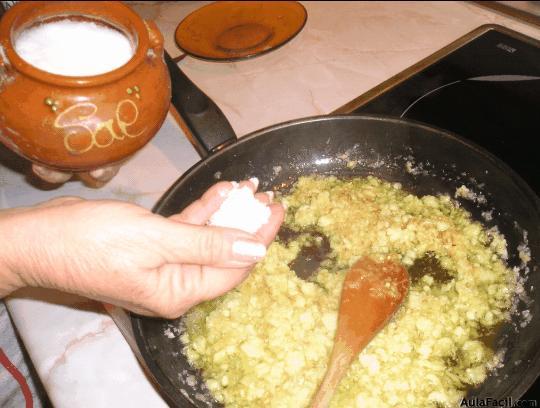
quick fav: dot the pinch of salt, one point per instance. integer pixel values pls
(241, 210)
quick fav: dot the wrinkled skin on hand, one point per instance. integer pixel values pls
(120, 253)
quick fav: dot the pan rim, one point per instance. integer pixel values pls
(516, 178)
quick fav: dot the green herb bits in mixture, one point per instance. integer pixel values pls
(267, 343)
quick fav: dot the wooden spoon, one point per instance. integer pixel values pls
(371, 294)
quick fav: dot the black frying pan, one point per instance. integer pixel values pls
(441, 162)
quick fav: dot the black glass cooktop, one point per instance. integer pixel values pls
(484, 87)
(487, 89)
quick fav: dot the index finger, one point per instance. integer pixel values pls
(200, 211)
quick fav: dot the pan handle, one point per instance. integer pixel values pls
(206, 125)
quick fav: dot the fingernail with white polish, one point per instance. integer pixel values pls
(255, 182)
(270, 195)
(247, 248)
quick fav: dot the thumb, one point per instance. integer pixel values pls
(211, 246)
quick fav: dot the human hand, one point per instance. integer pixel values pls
(94, 178)
(123, 254)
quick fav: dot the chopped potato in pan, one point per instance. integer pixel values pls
(267, 343)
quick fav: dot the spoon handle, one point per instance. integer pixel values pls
(340, 360)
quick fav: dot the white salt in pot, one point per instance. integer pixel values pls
(79, 123)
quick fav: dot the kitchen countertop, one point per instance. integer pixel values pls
(344, 50)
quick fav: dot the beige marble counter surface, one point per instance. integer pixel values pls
(345, 49)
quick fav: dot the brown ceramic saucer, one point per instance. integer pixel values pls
(234, 30)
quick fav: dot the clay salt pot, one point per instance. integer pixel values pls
(79, 123)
